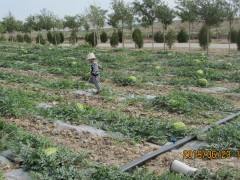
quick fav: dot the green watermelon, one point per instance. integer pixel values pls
(132, 78)
(80, 106)
(74, 63)
(202, 82)
(197, 61)
(50, 151)
(88, 75)
(229, 64)
(199, 72)
(179, 125)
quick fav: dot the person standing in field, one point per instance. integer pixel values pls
(95, 72)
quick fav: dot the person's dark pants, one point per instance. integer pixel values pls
(96, 81)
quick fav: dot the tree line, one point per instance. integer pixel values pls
(123, 17)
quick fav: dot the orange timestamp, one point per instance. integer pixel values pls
(207, 154)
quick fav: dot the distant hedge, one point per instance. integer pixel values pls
(182, 36)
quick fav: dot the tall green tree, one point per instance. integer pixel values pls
(25, 28)
(2, 28)
(96, 17)
(113, 21)
(33, 23)
(165, 15)
(122, 14)
(10, 23)
(212, 12)
(147, 12)
(72, 22)
(86, 26)
(19, 25)
(57, 25)
(232, 8)
(84, 22)
(46, 19)
(187, 11)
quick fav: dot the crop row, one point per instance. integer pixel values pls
(19, 103)
(72, 62)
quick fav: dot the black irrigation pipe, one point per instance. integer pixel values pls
(167, 148)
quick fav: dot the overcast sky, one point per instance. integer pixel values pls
(22, 8)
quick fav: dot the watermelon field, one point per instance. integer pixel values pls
(148, 98)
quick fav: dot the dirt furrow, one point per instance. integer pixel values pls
(100, 149)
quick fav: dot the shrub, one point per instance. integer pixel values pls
(56, 38)
(86, 37)
(19, 38)
(232, 35)
(120, 34)
(158, 37)
(27, 38)
(202, 36)
(114, 39)
(49, 36)
(238, 40)
(103, 37)
(182, 36)
(73, 37)
(89, 38)
(11, 38)
(137, 38)
(170, 38)
(40, 39)
(2, 38)
(61, 37)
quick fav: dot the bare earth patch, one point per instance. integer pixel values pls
(100, 149)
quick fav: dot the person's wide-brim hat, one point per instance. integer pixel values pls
(91, 56)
